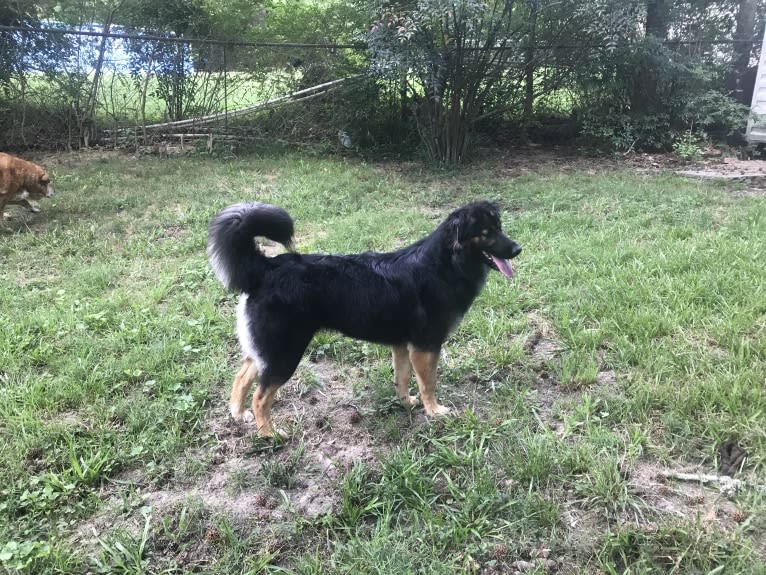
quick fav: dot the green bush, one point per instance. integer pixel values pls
(647, 97)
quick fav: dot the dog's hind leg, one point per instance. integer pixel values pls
(242, 383)
(424, 363)
(280, 364)
(402, 375)
(263, 397)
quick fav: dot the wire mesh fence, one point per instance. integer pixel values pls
(64, 88)
(67, 89)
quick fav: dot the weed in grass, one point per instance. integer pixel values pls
(588, 412)
(239, 480)
(44, 557)
(283, 474)
(533, 460)
(605, 488)
(265, 445)
(389, 423)
(237, 552)
(124, 553)
(681, 548)
(391, 547)
(358, 498)
(305, 380)
(576, 370)
(185, 523)
(89, 468)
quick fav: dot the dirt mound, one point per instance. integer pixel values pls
(253, 476)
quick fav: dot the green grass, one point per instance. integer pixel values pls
(117, 350)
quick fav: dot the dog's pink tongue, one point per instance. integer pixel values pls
(504, 266)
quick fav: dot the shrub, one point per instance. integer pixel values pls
(647, 97)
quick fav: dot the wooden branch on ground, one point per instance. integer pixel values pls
(728, 486)
(300, 95)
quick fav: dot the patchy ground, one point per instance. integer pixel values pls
(267, 486)
(621, 351)
(751, 172)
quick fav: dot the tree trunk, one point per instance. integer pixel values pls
(657, 19)
(87, 122)
(645, 97)
(144, 92)
(743, 47)
(529, 63)
(178, 84)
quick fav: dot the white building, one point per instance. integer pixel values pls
(756, 125)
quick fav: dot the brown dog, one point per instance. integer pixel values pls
(22, 181)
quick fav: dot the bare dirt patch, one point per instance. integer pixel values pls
(253, 478)
(324, 423)
(530, 160)
(680, 499)
(173, 233)
(252, 481)
(543, 346)
(753, 172)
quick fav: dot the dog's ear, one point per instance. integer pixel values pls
(461, 226)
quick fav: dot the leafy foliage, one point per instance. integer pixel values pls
(450, 57)
(623, 75)
(645, 95)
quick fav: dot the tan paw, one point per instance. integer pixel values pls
(410, 401)
(275, 432)
(437, 411)
(239, 414)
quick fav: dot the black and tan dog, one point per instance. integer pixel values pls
(410, 299)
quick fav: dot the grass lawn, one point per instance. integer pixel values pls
(631, 342)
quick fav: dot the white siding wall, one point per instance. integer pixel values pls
(756, 128)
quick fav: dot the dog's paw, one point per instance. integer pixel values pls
(34, 210)
(409, 401)
(275, 433)
(438, 411)
(245, 416)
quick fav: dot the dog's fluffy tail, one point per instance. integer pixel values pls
(235, 257)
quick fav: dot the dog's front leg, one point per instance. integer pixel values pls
(402, 375)
(29, 205)
(424, 363)
(3, 201)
